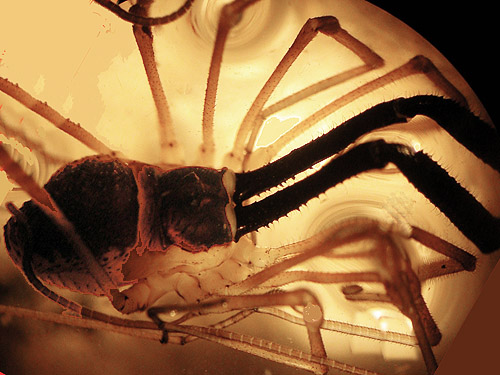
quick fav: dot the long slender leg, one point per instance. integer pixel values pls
(224, 323)
(429, 271)
(233, 298)
(406, 296)
(346, 328)
(267, 349)
(228, 18)
(470, 217)
(417, 65)
(462, 258)
(313, 315)
(141, 19)
(328, 242)
(149, 330)
(326, 25)
(459, 261)
(483, 141)
(277, 274)
(64, 302)
(144, 329)
(343, 234)
(403, 290)
(169, 147)
(51, 115)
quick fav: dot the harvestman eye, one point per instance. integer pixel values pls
(346, 224)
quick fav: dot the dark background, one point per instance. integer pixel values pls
(466, 34)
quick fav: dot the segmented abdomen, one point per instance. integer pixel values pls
(98, 195)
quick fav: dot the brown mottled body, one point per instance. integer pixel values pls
(116, 206)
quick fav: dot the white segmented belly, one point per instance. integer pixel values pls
(178, 276)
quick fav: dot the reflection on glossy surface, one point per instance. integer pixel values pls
(83, 61)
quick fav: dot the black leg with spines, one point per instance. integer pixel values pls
(470, 217)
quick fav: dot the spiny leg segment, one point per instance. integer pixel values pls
(171, 152)
(229, 17)
(470, 217)
(51, 115)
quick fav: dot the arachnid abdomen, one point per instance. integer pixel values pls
(98, 195)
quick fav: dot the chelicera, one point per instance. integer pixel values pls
(102, 220)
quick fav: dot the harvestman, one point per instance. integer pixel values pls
(221, 207)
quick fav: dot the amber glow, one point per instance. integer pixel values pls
(83, 61)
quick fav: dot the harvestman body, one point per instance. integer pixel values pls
(106, 222)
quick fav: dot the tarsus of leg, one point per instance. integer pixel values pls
(51, 115)
(417, 65)
(229, 16)
(326, 25)
(141, 19)
(169, 147)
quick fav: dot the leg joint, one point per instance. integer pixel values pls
(422, 64)
(328, 25)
